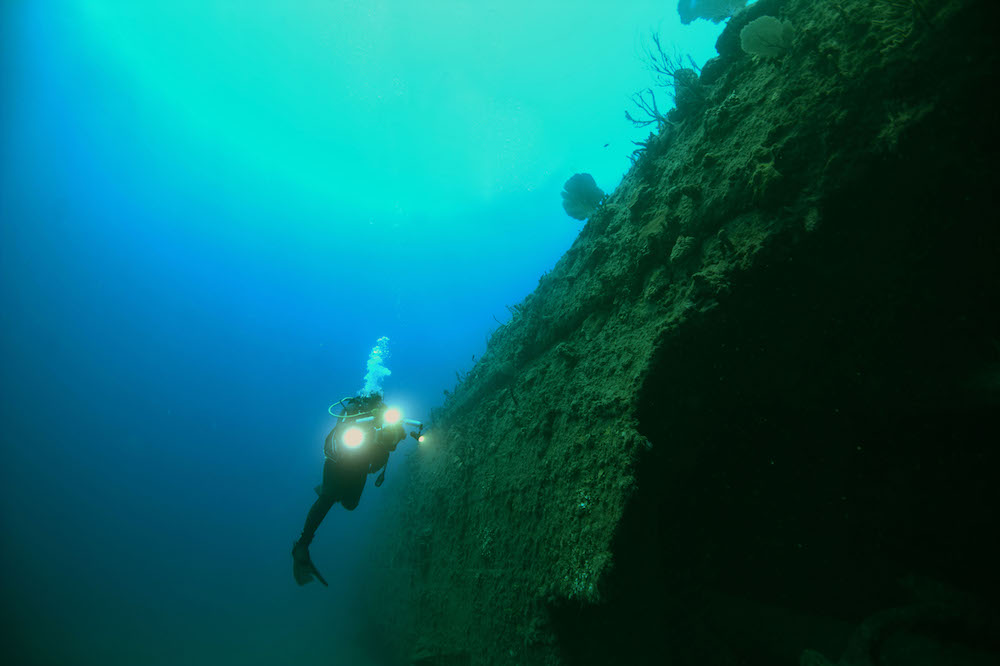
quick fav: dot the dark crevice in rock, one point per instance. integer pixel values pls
(821, 436)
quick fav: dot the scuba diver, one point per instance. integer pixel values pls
(367, 431)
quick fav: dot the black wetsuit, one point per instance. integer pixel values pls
(344, 475)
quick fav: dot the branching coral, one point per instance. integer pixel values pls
(668, 72)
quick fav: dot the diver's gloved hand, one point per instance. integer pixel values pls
(302, 567)
(390, 436)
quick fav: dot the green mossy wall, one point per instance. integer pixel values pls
(750, 416)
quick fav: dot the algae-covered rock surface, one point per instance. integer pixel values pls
(750, 417)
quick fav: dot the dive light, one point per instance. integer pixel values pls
(354, 436)
(393, 415)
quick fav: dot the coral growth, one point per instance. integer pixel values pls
(581, 196)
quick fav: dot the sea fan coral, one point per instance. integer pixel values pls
(767, 37)
(713, 10)
(581, 196)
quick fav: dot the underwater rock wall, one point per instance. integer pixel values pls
(750, 416)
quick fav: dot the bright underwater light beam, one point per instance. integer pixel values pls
(353, 437)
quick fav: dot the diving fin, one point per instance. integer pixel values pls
(302, 567)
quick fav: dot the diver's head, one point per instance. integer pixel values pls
(365, 402)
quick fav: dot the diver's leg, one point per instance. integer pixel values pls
(302, 567)
(316, 515)
(329, 493)
(351, 492)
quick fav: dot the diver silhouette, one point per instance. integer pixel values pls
(366, 433)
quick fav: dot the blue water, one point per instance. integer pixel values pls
(210, 212)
